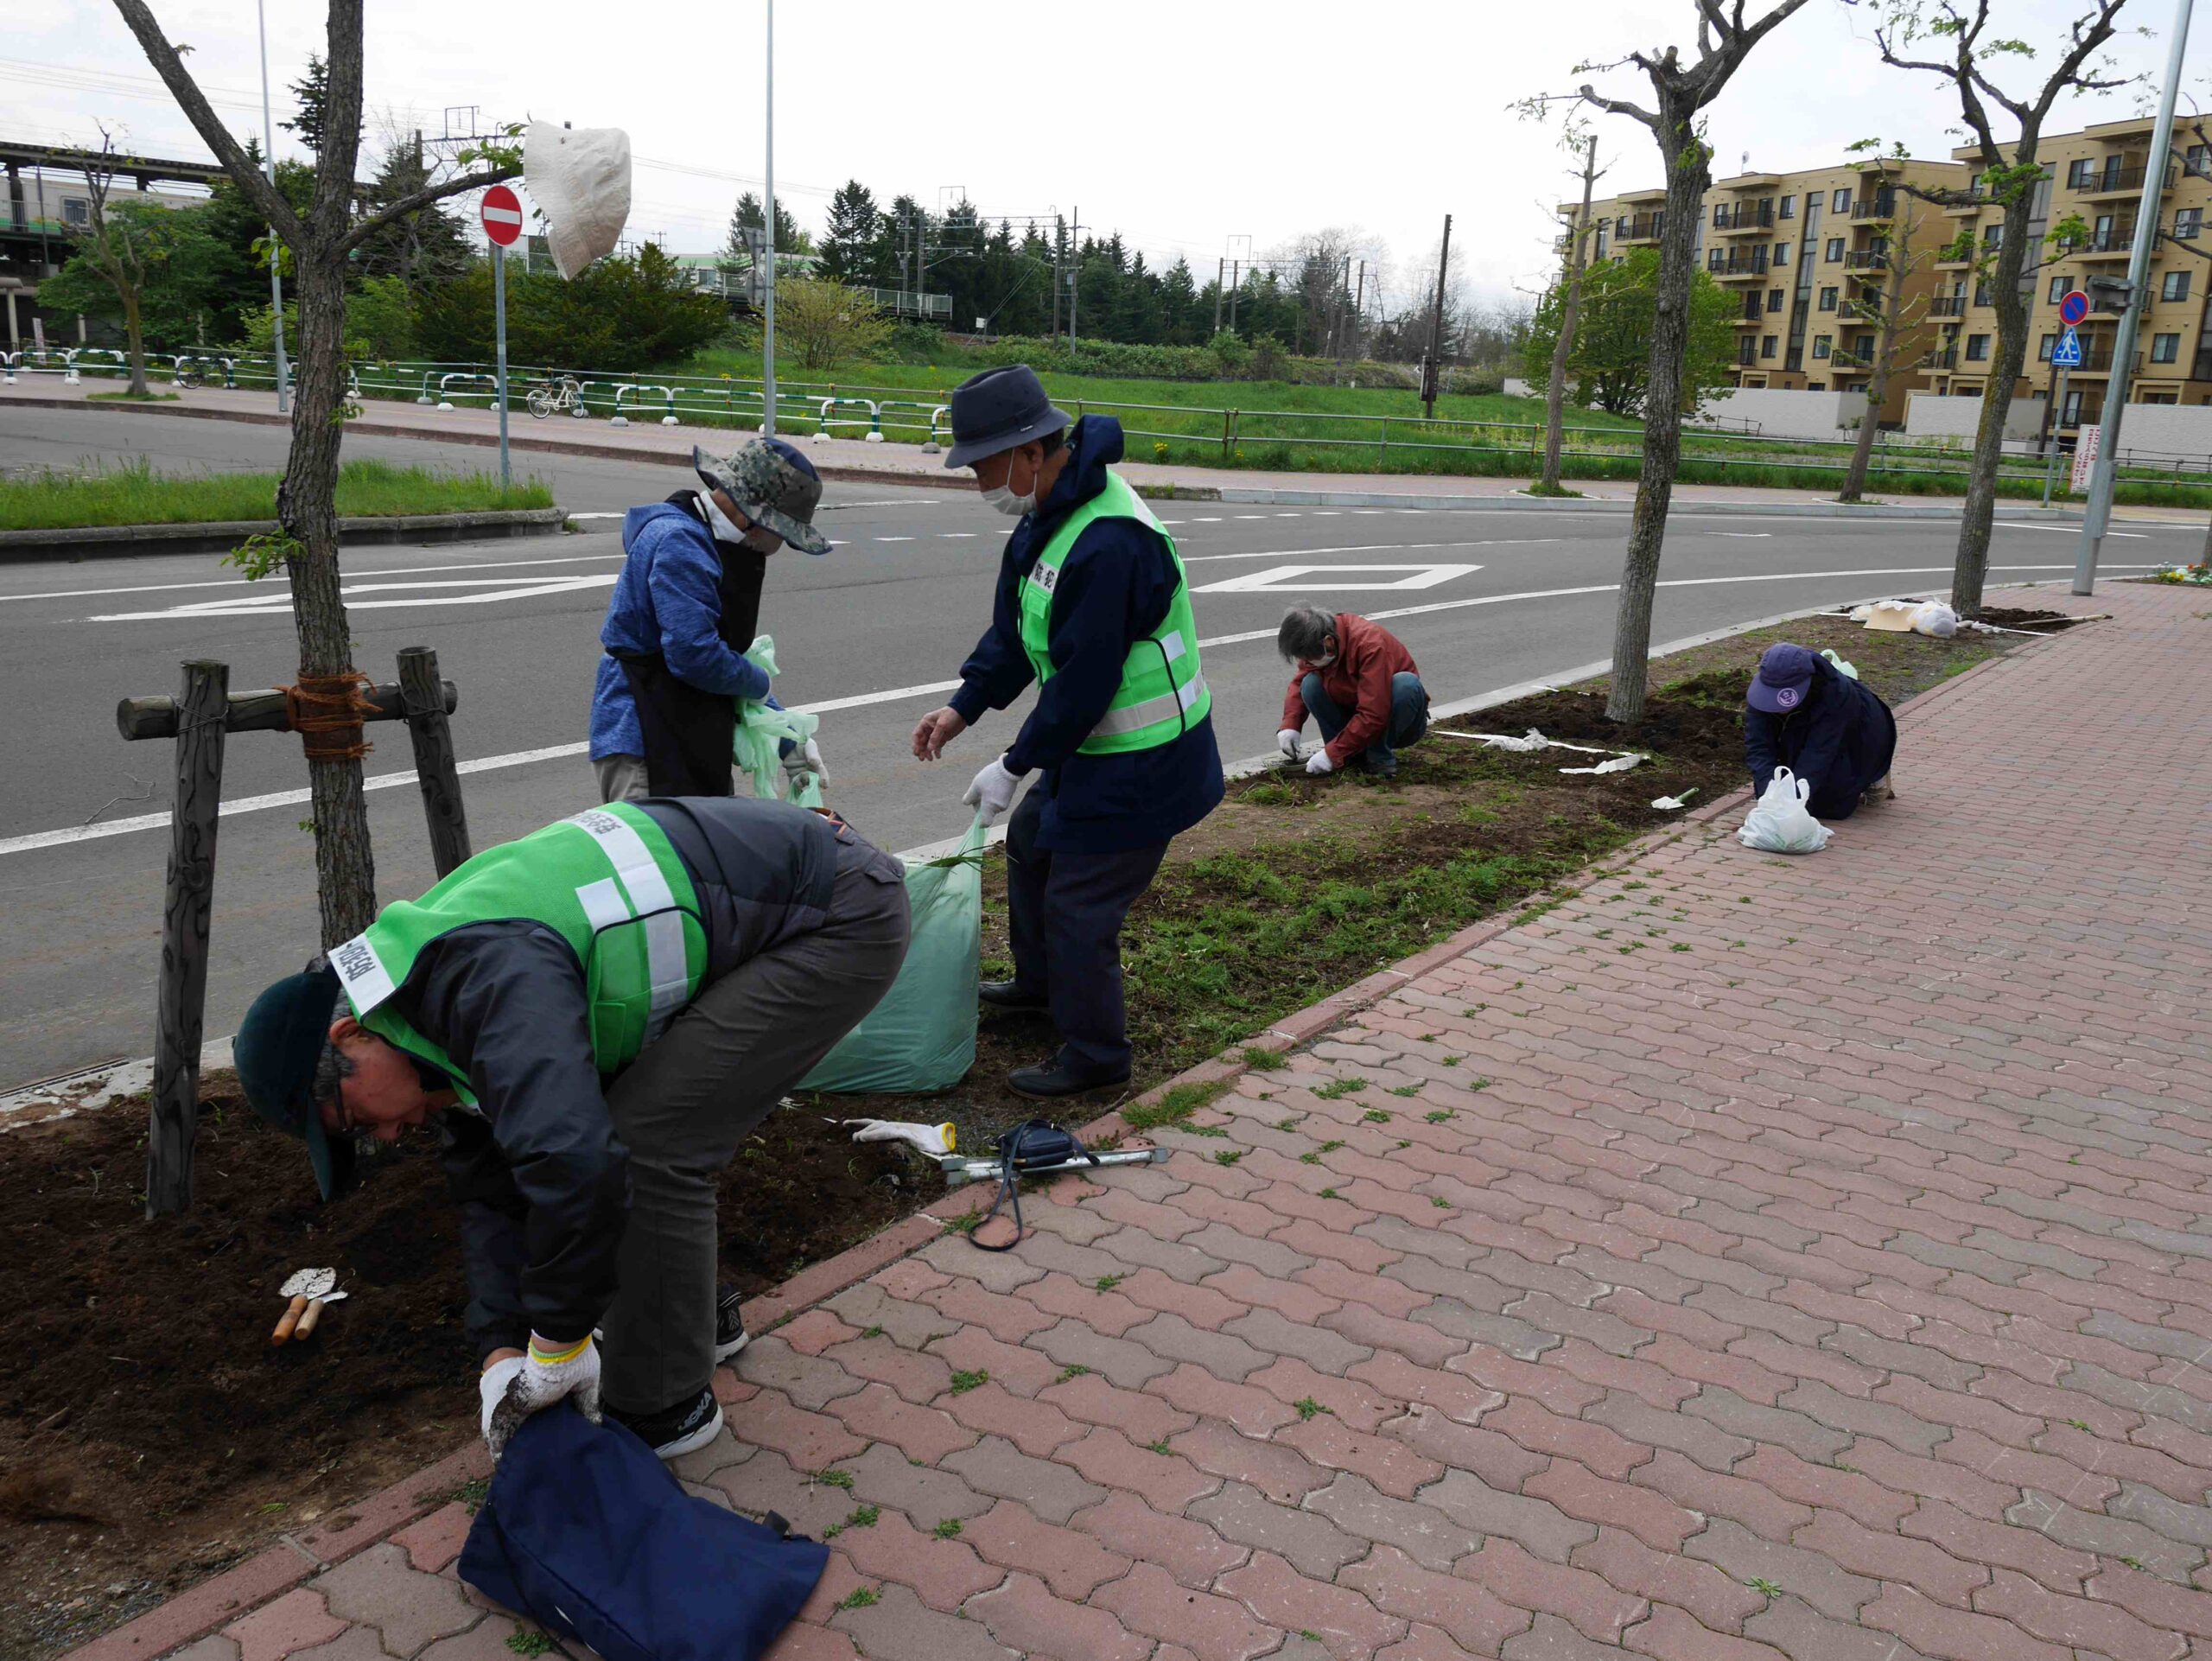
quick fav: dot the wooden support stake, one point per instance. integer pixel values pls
(255, 712)
(427, 704)
(189, 895)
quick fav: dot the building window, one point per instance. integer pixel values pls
(1841, 204)
(2082, 176)
(2199, 159)
(2164, 349)
(1601, 242)
(1977, 348)
(75, 210)
(2070, 413)
(1827, 299)
(1715, 258)
(1774, 299)
(1836, 246)
(1781, 254)
(1981, 292)
(2057, 290)
(1820, 343)
(1767, 343)
(2188, 222)
(2042, 348)
(1994, 237)
(2175, 287)
(1720, 214)
(1790, 203)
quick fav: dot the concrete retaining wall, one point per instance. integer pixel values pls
(1784, 414)
(1927, 415)
(2171, 428)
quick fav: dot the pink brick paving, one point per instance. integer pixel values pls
(1747, 1257)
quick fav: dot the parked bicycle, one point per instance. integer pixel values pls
(189, 373)
(563, 397)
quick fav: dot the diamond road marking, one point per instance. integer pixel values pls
(1276, 578)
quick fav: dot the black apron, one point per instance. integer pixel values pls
(688, 734)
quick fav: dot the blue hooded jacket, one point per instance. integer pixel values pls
(1841, 740)
(1115, 589)
(667, 600)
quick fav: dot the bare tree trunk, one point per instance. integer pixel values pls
(1662, 411)
(1562, 349)
(2207, 544)
(1972, 570)
(1878, 387)
(307, 505)
(135, 337)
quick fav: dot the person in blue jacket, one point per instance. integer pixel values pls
(1805, 714)
(1092, 603)
(685, 607)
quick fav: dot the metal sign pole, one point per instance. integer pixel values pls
(2147, 216)
(768, 243)
(499, 339)
(275, 249)
(2050, 453)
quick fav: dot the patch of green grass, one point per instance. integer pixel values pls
(1073, 1370)
(1330, 1093)
(1258, 1057)
(1173, 1108)
(1440, 1202)
(1307, 1408)
(134, 493)
(949, 1529)
(529, 1641)
(964, 1382)
(1159, 1447)
(131, 397)
(1376, 1115)
(834, 1477)
(473, 1493)
(1440, 1116)
(1107, 1283)
(1405, 1090)
(861, 1597)
(1226, 1156)
(1328, 1193)
(1766, 1589)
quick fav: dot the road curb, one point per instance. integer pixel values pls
(219, 537)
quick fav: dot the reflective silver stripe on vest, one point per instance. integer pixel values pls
(649, 891)
(1169, 706)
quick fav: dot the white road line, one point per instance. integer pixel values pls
(901, 502)
(1248, 516)
(624, 515)
(1290, 516)
(1326, 513)
(1213, 518)
(954, 536)
(76, 833)
(2069, 530)
(891, 539)
(1751, 534)
(1371, 548)
(278, 603)
(243, 582)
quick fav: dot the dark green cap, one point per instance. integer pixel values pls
(276, 1050)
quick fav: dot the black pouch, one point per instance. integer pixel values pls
(1032, 1145)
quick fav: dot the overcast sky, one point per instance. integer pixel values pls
(1183, 124)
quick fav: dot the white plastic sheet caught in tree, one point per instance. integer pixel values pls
(580, 178)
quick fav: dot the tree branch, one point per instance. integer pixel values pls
(416, 201)
(1618, 106)
(170, 67)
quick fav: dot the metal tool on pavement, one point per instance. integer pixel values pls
(959, 1170)
(315, 1313)
(306, 1286)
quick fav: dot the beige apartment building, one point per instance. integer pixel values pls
(2096, 175)
(1796, 249)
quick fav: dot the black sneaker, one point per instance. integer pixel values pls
(1054, 1079)
(730, 1335)
(675, 1431)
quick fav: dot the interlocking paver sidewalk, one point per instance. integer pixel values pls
(1747, 1257)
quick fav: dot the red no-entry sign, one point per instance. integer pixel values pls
(2073, 307)
(502, 215)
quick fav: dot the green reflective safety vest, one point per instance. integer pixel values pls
(607, 881)
(1162, 694)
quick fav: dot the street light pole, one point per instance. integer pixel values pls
(768, 242)
(2148, 214)
(276, 251)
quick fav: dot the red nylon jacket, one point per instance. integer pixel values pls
(1368, 655)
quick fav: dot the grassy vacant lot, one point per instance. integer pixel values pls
(135, 495)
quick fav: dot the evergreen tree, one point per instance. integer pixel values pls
(846, 245)
(422, 248)
(790, 239)
(313, 91)
(1177, 300)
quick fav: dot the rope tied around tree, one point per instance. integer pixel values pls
(327, 712)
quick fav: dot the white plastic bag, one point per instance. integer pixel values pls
(1780, 822)
(1841, 668)
(580, 178)
(1934, 617)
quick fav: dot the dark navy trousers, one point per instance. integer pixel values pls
(1408, 717)
(1065, 912)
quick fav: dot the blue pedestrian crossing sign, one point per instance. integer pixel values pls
(2067, 355)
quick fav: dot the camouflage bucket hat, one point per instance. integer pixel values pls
(774, 484)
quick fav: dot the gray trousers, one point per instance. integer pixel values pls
(688, 1103)
(621, 777)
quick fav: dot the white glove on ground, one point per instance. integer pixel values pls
(932, 1139)
(1319, 763)
(991, 792)
(1287, 742)
(541, 1379)
(806, 758)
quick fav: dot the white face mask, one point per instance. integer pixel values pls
(1002, 498)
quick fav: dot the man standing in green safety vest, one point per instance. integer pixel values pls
(599, 1014)
(1091, 605)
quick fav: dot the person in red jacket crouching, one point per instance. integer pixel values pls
(1361, 686)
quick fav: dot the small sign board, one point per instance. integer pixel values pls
(2067, 355)
(2085, 457)
(2073, 307)
(501, 212)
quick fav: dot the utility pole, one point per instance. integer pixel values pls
(1359, 306)
(276, 251)
(1236, 288)
(1220, 266)
(1075, 277)
(2147, 219)
(1059, 264)
(768, 242)
(1435, 375)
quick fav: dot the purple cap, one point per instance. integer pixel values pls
(1784, 680)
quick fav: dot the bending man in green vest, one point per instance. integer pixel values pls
(599, 1014)
(1092, 606)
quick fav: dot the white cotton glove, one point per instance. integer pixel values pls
(538, 1380)
(1287, 742)
(1319, 763)
(806, 758)
(492, 1387)
(932, 1139)
(991, 792)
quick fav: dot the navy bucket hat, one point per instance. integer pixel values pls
(999, 410)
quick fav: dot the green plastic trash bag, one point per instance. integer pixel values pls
(1842, 668)
(922, 1036)
(761, 731)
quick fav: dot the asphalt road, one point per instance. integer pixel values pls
(870, 635)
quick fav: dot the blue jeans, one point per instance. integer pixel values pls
(1408, 717)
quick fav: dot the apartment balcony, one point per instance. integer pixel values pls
(1881, 209)
(2118, 181)
(2201, 369)
(1735, 269)
(1643, 228)
(1867, 259)
(1851, 361)
(2100, 245)
(1956, 259)
(1743, 219)
(1947, 305)
(1946, 359)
